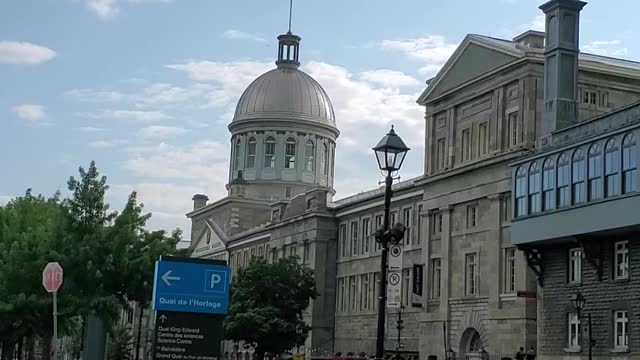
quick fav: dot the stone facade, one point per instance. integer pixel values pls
(486, 109)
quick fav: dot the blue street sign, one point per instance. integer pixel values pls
(191, 286)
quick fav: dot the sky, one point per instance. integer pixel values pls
(146, 88)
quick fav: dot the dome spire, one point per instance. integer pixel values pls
(288, 46)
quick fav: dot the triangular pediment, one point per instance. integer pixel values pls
(208, 241)
(476, 56)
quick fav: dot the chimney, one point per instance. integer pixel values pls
(530, 39)
(562, 22)
(199, 201)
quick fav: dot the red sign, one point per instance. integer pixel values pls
(52, 277)
(527, 294)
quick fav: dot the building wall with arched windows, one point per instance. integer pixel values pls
(281, 162)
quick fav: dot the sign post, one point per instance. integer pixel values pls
(52, 277)
(191, 298)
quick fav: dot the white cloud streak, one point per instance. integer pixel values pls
(108, 9)
(431, 51)
(24, 53)
(129, 115)
(606, 48)
(31, 114)
(241, 35)
(158, 132)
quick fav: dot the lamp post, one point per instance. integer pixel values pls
(390, 153)
(579, 301)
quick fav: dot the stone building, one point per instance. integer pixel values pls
(574, 205)
(466, 287)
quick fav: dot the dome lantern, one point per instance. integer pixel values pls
(288, 50)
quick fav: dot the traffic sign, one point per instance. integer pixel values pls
(394, 289)
(52, 277)
(187, 336)
(395, 257)
(191, 285)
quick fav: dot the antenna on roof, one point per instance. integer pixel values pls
(290, 13)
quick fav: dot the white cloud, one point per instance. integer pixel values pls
(31, 114)
(241, 35)
(364, 109)
(538, 23)
(4, 199)
(432, 51)
(202, 161)
(102, 144)
(14, 52)
(606, 48)
(96, 96)
(107, 9)
(161, 132)
(388, 78)
(90, 129)
(130, 115)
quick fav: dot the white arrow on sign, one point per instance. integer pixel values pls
(163, 318)
(167, 276)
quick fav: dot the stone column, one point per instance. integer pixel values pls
(428, 147)
(425, 216)
(451, 119)
(445, 265)
(497, 138)
(494, 248)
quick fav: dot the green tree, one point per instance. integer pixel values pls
(267, 305)
(121, 344)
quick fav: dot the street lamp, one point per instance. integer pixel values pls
(579, 301)
(390, 153)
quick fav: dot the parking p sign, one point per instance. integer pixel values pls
(191, 285)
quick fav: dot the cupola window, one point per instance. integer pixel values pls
(323, 160)
(236, 155)
(309, 150)
(270, 152)
(251, 153)
(290, 154)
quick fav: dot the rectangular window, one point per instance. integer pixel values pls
(407, 218)
(436, 276)
(275, 215)
(483, 139)
(365, 297)
(366, 235)
(573, 330)
(512, 129)
(466, 144)
(506, 208)
(353, 293)
(406, 287)
(436, 223)
(354, 238)
(621, 329)
(293, 250)
(342, 298)
(575, 265)
(471, 283)
(393, 219)
(419, 226)
(510, 270)
(441, 156)
(343, 240)
(604, 99)
(376, 289)
(472, 216)
(379, 223)
(563, 182)
(621, 260)
(305, 253)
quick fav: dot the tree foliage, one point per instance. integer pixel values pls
(107, 257)
(268, 301)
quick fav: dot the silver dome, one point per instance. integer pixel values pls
(285, 93)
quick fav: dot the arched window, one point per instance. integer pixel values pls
(323, 159)
(534, 188)
(611, 168)
(548, 185)
(270, 152)
(629, 164)
(236, 154)
(578, 167)
(563, 180)
(290, 153)
(521, 191)
(309, 156)
(595, 172)
(260, 251)
(251, 153)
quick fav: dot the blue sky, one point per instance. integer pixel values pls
(146, 88)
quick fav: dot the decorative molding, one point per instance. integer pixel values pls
(534, 261)
(592, 249)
